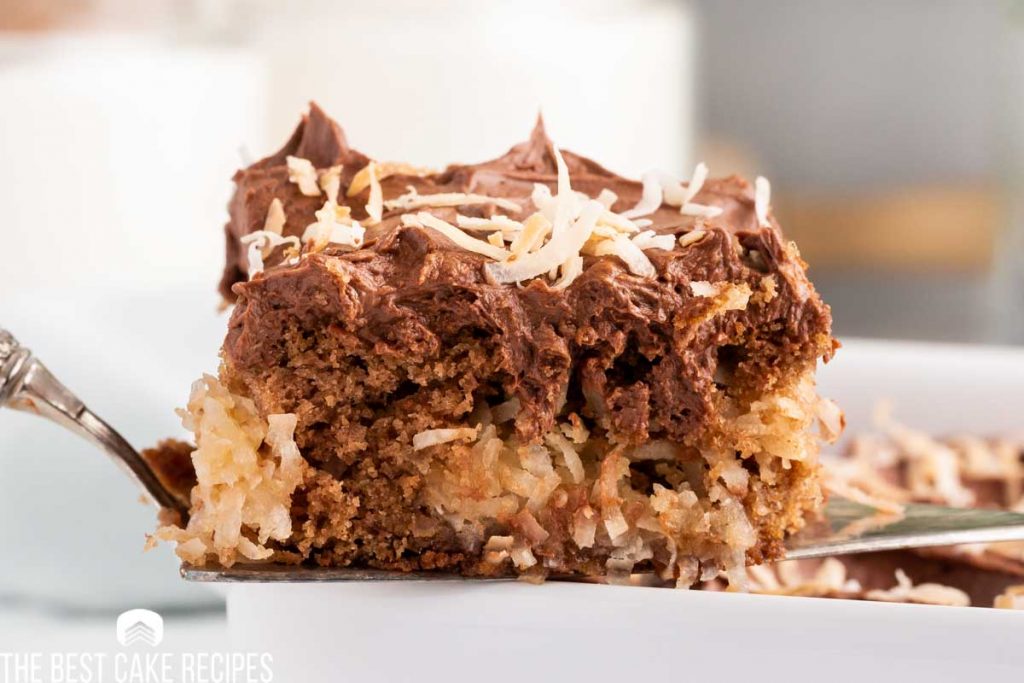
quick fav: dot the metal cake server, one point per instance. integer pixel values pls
(845, 527)
(26, 384)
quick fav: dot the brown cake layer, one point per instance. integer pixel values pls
(685, 394)
(410, 289)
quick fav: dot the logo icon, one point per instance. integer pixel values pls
(140, 626)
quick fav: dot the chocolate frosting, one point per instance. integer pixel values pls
(642, 352)
(512, 176)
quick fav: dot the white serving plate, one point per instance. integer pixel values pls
(510, 631)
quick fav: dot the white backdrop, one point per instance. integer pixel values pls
(117, 158)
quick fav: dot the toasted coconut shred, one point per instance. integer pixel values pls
(700, 211)
(924, 593)
(557, 251)
(762, 197)
(570, 270)
(427, 220)
(384, 169)
(503, 225)
(434, 437)
(607, 198)
(650, 198)
(535, 229)
(1011, 598)
(730, 297)
(571, 219)
(691, 237)
(632, 255)
(564, 204)
(330, 182)
(302, 173)
(648, 239)
(375, 202)
(413, 200)
(333, 225)
(829, 579)
(677, 195)
(276, 219)
(261, 243)
(659, 187)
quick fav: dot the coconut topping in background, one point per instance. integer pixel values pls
(1011, 598)
(898, 465)
(925, 593)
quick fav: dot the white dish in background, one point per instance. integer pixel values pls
(938, 388)
(516, 632)
(509, 631)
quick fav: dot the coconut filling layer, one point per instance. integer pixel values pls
(247, 469)
(573, 503)
(690, 513)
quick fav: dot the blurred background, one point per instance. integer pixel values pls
(892, 132)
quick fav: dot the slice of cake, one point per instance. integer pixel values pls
(524, 366)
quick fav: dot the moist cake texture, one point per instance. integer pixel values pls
(524, 366)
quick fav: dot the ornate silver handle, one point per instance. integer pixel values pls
(26, 384)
